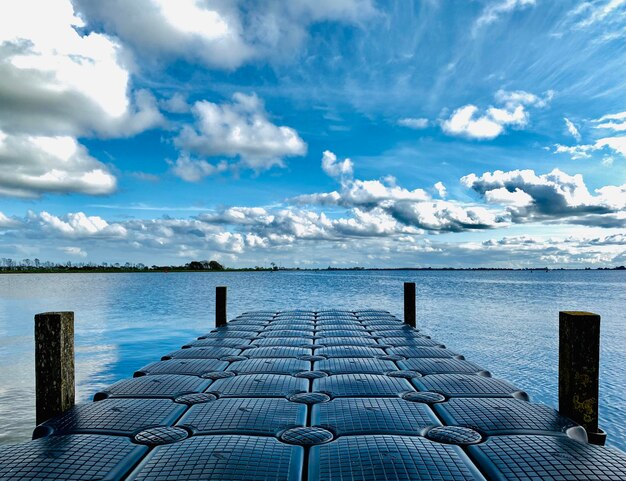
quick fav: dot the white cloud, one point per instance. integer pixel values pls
(608, 161)
(392, 231)
(598, 11)
(517, 198)
(615, 122)
(409, 209)
(512, 99)
(575, 151)
(33, 165)
(445, 216)
(7, 221)
(467, 121)
(555, 195)
(496, 9)
(194, 170)
(219, 34)
(614, 144)
(241, 130)
(375, 192)
(212, 35)
(57, 84)
(239, 216)
(333, 168)
(463, 122)
(441, 189)
(77, 225)
(74, 251)
(176, 104)
(414, 123)
(571, 128)
(617, 144)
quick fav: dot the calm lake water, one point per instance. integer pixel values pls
(505, 321)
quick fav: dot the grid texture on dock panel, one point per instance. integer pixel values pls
(305, 395)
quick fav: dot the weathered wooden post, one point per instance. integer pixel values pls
(220, 306)
(579, 370)
(409, 303)
(54, 364)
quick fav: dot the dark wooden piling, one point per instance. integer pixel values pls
(409, 303)
(220, 306)
(54, 364)
(579, 369)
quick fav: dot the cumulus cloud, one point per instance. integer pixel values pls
(372, 219)
(571, 128)
(444, 216)
(502, 195)
(240, 130)
(33, 165)
(176, 104)
(77, 225)
(469, 121)
(441, 189)
(6, 221)
(56, 84)
(556, 195)
(414, 210)
(251, 236)
(219, 34)
(194, 170)
(365, 193)
(334, 168)
(414, 123)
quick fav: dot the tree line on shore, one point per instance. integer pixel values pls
(35, 265)
(8, 265)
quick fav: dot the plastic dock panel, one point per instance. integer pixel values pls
(258, 416)
(301, 395)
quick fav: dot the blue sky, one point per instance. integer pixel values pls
(314, 133)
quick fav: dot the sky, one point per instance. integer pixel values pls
(314, 133)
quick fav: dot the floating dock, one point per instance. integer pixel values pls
(302, 395)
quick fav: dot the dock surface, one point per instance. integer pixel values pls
(302, 395)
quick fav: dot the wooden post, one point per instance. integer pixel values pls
(409, 303)
(579, 369)
(54, 364)
(220, 306)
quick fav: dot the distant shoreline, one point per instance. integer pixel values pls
(81, 270)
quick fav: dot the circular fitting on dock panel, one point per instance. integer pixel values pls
(196, 398)
(391, 357)
(454, 435)
(214, 376)
(404, 374)
(424, 397)
(233, 358)
(161, 435)
(309, 398)
(309, 357)
(311, 374)
(306, 436)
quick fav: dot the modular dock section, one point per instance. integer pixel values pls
(301, 395)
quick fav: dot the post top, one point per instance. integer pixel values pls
(578, 314)
(55, 313)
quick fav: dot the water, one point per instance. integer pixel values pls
(504, 321)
